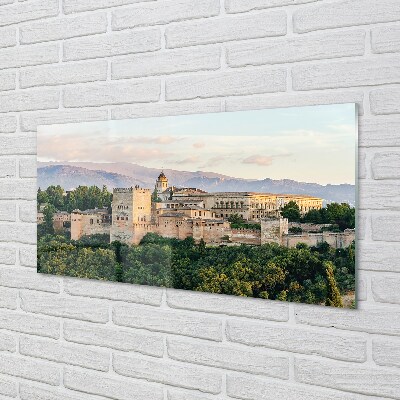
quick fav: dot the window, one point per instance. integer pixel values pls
(91, 221)
(117, 218)
(126, 218)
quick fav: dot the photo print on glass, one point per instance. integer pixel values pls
(257, 204)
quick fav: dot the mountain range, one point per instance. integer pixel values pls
(72, 174)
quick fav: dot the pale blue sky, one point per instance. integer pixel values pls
(309, 144)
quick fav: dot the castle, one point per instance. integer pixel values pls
(189, 212)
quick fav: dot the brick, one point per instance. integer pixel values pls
(25, 279)
(72, 6)
(29, 100)
(28, 256)
(28, 391)
(163, 12)
(167, 62)
(7, 213)
(237, 6)
(385, 39)
(23, 56)
(29, 369)
(163, 320)
(382, 321)
(51, 350)
(63, 28)
(362, 167)
(113, 44)
(28, 212)
(386, 351)
(168, 372)
(300, 48)
(61, 74)
(298, 340)
(226, 84)
(379, 195)
(255, 388)
(231, 357)
(20, 12)
(132, 340)
(342, 376)
(362, 226)
(176, 394)
(8, 387)
(15, 145)
(8, 299)
(213, 303)
(361, 288)
(379, 131)
(7, 342)
(114, 291)
(7, 255)
(28, 168)
(345, 13)
(31, 120)
(99, 384)
(386, 165)
(50, 304)
(166, 109)
(7, 79)
(13, 189)
(379, 256)
(370, 72)
(385, 289)
(250, 26)
(8, 168)
(385, 227)
(8, 37)
(8, 124)
(99, 94)
(29, 324)
(385, 101)
(21, 233)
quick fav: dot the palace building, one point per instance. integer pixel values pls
(189, 212)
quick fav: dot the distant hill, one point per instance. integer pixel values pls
(70, 175)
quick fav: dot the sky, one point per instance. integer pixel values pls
(308, 144)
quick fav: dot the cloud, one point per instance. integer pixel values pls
(213, 161)
(157, 140)
(263, 161)
(188, 160)
(199, 145)
(80, 148)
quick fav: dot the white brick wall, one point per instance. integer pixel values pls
(85, 60)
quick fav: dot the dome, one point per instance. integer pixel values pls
(162, 177)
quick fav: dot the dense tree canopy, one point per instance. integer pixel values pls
(291, 211)
(340, 215)
(238, 222)
(82, 198)
(316, 275)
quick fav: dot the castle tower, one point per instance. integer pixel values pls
(161, 183)
(131, 211)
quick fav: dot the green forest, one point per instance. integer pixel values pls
(316, 275)
(339, 216)
(82, 198)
